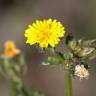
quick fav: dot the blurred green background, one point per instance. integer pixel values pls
(79, 18)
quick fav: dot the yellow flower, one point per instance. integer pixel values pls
(45, 33)
(10, 50)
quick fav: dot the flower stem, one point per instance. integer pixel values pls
(68, 81)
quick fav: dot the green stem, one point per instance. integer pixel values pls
(68, 81)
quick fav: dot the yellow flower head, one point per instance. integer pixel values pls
(10, 50)
(45, 33)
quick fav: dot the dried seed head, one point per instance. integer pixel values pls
(81, 71)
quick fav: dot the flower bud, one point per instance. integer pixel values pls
(86, 51)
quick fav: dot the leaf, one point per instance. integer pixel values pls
(88, 43)
(15, 89)
(34, 93)
(92, 55)
(56, 58)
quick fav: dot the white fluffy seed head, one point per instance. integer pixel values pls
(81, 71)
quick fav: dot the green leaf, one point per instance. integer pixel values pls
(88, 43)
(92, 55)
(56, 58)
(34, 93)
(16, 91)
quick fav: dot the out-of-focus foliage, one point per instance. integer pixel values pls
(12, 67)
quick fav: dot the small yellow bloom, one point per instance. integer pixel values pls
(10, 50)
(81, 71)
(45, 33)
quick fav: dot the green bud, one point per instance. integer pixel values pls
(85, 51)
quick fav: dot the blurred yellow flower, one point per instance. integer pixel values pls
(10, 50)
(45, 33)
